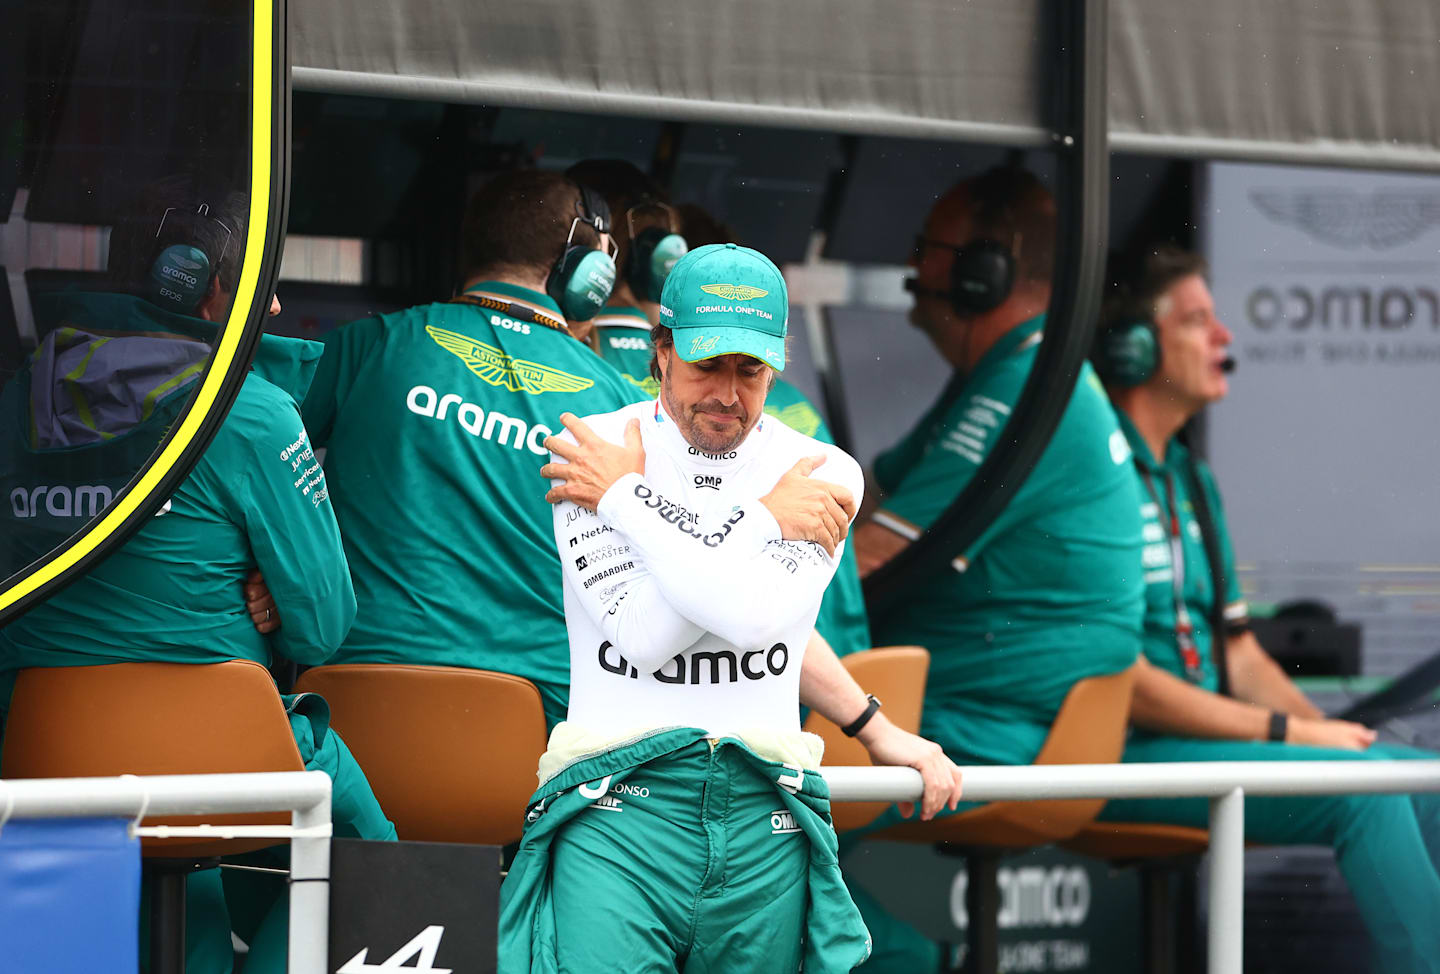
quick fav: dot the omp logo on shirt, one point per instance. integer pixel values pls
(734, 292)
(499, 369)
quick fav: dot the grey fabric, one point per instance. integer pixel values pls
(1331, 81)
(85, 388)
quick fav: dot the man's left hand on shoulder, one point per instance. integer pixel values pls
(890, 745)
(593, 462)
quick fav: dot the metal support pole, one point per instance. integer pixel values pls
(310, 890)
(982, 905)
(1227, 883)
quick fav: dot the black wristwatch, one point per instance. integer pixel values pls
(1279, 725)
(858, 724)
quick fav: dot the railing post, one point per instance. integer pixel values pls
(1227, 882)
(310, 890)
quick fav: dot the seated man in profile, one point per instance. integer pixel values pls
(1051, 593)
(434, 419)
(1162, 353)
(95, 400)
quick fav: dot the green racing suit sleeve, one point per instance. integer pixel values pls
(262, 465)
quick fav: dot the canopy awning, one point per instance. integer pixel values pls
(1346, 82)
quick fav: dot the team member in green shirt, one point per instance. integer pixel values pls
(649, 245)
(1051, 592)
(433, 420)
(1163, 356)
(91, 405)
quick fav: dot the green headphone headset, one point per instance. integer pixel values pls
(652, 252)
(1127, 350)
(582, 278)
(181, 274)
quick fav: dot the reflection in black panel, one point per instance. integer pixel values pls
(769, 184)
(310, 310)
(41, 283)
(892, 184)
(10, 351)
(558, 140)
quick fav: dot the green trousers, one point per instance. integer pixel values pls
(690, 863)
(675, 853)
(1387, 846)
(256, 905)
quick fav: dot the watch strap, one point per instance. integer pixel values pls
(858, 724)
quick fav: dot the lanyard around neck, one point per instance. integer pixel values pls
(1169, 515)
(521, 312)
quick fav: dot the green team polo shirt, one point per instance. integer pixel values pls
(173, 592)
(1051, 592)
(434, 420)
(1161, 647)
(624, 342)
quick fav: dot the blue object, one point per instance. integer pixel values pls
(69, 897)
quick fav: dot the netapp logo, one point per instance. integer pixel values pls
(704, 480)
(722, 666)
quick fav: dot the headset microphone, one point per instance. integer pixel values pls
(912, 284)
(1228, 365)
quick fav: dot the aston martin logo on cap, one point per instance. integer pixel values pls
(734, 292)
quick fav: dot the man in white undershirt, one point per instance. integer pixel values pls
(680, 823)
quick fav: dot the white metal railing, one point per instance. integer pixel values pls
(1224, 783)
(304, 794)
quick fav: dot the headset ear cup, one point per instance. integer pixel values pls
(180, 277)
(1128, 353)
(653, 253)
(580, 282)
(981, 277)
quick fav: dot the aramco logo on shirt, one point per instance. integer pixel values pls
(721, 666)
(494, 426)
(499, 369)
(60, 501)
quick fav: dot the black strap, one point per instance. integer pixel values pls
(1210, 535)
(519, 312)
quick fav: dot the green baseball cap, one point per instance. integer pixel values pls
(724, 299)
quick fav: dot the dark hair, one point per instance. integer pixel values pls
(660, 336)
(519, 221)
(622, 185)
(1136, 283)
(134, 243)
(1008, 204)
(699, 228)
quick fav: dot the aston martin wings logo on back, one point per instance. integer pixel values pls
(734, 292)
(1349, 218)
(499, 369)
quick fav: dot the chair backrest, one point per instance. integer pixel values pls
(153, 718)
(1088, 729)
(896, 675)
(451, 753)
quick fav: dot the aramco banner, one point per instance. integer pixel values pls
(1330, 281)
(69, 897)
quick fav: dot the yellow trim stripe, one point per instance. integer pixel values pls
(261, 84)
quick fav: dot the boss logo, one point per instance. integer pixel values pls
(500, 321)
(630, 344)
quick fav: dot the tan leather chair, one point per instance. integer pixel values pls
(451, 753)
(896, 675)
(147, 719)
(153, 718)
(1089, 729)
